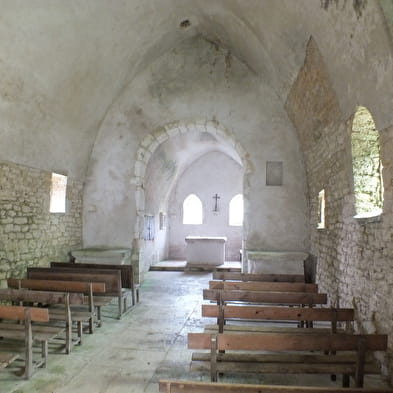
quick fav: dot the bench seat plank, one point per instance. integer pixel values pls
(280, 313)
(287, 357)
(288, 342)
(171, 386)
(40, 333)
(264, 286)
(235, 276)
(290, 298)
(268, 329)
(284, 368)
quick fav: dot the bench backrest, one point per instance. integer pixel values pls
(258, 277)
(19, 313)
(44, 297)
(126, 271)
(279, 313)
(57, 286)
(288, 342)
(289, 298)
(264, 286)
(111, 278)
(170, 386)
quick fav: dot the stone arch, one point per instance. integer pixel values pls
(152, 141)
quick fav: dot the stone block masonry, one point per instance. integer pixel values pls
(29, 234)
(354, 255)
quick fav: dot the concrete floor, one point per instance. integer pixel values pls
(149, 343)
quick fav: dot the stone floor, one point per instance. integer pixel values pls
(149, 343)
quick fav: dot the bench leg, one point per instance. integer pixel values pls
(44, 352)
(125, 304)
(133, 295)
(346, 381)
(68, 338)
(80, 331)
(213, 359)
(120, 307)
(28, 347)
(99, 319)
(91, 324)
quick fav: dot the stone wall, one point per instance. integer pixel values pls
(29, 234)
(353, 255)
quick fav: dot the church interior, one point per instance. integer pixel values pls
(132, 131)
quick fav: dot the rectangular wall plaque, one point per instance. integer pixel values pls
(274, 173)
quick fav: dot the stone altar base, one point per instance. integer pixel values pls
(205, 251)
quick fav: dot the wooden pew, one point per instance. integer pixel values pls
(264, 286)
(235, 276)
(111, 278)
(23, 296)
(308, 361)
(263, 297)
(172, 386)
(79, 314)
(263, 313)
(126, 271)
(27, 315)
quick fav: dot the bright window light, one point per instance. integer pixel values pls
(236, 210)
(58, 193)
(192, 210)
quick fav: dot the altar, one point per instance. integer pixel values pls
(202, 251)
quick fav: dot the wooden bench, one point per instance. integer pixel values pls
(126, 271)
(258, 313)
(265, 297)
(111, 279)
(23, 296)
(235, 276)
(79, 314)
(172, 386)
(311, 360)
(27, 315)
(264, 286)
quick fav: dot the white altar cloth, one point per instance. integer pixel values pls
(205, 250)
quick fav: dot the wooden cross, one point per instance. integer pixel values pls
(216, 197)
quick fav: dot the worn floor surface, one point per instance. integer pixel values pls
(149, 343)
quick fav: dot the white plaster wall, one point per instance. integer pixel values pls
(194, 83)
(213, 173)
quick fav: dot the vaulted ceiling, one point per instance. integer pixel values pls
(64, 64)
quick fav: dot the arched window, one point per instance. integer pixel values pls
(366, 164)
(192, 210)
(236, 210)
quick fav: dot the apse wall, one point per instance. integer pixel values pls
(214, 173)
(197, 82)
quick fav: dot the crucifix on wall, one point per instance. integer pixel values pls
(216, 198)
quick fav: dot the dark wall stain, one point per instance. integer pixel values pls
(358, 5)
